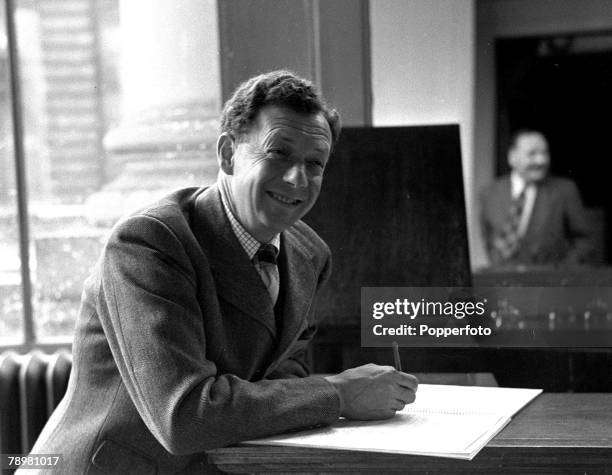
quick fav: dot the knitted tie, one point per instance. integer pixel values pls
(507, 241)
(265, 263)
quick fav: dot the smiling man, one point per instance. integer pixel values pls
(272, 175)
(195, 322)
(530, 217)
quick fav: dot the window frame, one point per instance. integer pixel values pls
(16, 105)
(29, 340)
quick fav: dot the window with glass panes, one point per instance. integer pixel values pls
(105, 105)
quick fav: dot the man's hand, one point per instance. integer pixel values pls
(373, 392)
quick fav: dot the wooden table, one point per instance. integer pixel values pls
(556, 433)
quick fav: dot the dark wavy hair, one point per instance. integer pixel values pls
(518, 133)
(280, 88)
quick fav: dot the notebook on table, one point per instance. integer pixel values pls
(444, 421)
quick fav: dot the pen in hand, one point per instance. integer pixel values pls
(396, 356)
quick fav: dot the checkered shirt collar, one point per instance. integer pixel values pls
(248, 242)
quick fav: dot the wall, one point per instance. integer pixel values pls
(321, 40)
(423, 71)
(516, 18)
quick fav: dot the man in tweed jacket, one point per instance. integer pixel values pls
(552, 227)
(183, 342)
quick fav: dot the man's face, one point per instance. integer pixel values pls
(529, 157)
(277, 169)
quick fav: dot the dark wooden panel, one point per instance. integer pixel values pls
(547, 369)
(392, 211)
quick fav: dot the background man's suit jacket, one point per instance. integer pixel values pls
(176, 347)
(557, 230)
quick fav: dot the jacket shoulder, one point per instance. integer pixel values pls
(164, 225)
(175, 206)
(309, 240)
(499, 185)
(162, 229)
(173, 211)
(562, 184)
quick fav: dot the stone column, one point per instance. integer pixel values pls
(170, 103)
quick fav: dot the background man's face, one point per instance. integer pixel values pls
(278, 169)
(529, 157)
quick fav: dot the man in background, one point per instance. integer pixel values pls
(195, 322)
(530, 217)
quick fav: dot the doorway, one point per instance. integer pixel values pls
(562, 85)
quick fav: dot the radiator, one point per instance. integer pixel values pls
(31, 386)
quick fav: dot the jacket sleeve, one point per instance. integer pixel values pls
(578, 230)
(153, 322)
(296, 365)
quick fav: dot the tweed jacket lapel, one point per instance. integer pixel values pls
(235, 276)
(300, 280)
